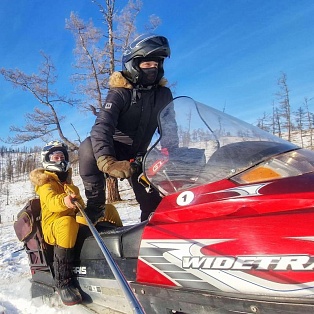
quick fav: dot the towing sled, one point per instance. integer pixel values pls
(234, 232)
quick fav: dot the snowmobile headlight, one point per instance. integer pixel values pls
(257, 174)
(285, 165)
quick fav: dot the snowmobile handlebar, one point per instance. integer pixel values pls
(137, 163)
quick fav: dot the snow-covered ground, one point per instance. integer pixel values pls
(15, 276)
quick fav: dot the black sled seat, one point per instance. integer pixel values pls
(122, 242)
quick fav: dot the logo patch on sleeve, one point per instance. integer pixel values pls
(108, 105)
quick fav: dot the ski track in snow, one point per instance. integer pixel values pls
(15, 275)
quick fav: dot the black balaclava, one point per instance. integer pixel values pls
(148, 76)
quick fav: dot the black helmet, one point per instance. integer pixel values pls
(51, 147)
(147, 47)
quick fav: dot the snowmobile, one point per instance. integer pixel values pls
(233, 233)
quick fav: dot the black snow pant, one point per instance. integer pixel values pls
(94, 181)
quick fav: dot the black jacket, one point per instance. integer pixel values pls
(124, 127)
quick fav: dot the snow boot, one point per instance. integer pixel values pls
(63, 262)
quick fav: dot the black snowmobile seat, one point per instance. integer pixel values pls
(122, 242)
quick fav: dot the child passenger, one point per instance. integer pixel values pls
(57, 193)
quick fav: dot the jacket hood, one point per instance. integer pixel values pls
(118, 80)
(40, 176)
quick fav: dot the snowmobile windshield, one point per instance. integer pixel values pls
(199, 144)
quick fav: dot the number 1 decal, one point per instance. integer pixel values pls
(185, 198)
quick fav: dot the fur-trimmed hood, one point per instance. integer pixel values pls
(118, 80)
(40, 176)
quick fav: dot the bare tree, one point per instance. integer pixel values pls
(117, 42)
(108, 16)
(284, 104)
(40, 123)
(273, 125)
(97, 49)
(9, 168)
(310, 120)
(91, 64)
(96, 54)
(126, 29)
(96, 65)
(263, 123)
(300, 116)
(277, 129)
(154, 22)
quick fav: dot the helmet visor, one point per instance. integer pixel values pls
(57, 156)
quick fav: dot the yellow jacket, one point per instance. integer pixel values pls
(52, 193)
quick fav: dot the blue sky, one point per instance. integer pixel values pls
(225, 53)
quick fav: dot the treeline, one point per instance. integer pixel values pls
(16, 165)
(26, 150)
(290, 122)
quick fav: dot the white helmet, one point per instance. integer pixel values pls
(57, 166)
